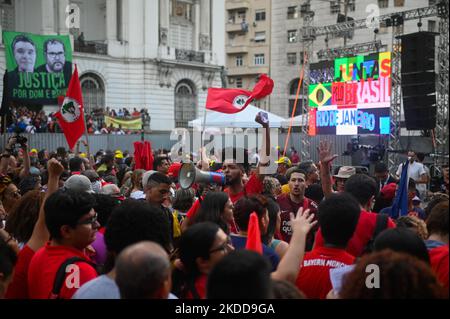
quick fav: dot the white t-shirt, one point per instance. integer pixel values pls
(415, 171)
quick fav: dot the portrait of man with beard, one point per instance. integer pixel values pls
(54, 53)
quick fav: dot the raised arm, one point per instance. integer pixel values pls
(264, 153)
(26, 161)
(40, 233)
(4, 162)
(326, 157)
(290, 264)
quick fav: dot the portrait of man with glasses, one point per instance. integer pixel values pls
(54, 53)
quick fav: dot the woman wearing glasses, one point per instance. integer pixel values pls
(202, 246)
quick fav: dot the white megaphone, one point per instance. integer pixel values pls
(189, 174)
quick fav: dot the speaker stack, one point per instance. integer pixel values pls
(419, 80)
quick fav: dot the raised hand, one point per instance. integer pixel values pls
(302, 222)
(54, 167)
(261, 119)
(325, 154)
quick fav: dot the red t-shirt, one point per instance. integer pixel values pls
(18, 288)
(253, 186)
(363, 233)
(314, 276)
(439, 263)
(288, 206)
(45, 264)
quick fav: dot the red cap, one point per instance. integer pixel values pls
(174, 170)
(388, 191)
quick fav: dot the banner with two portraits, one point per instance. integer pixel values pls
(39, 67)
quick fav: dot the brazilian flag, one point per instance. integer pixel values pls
(319, 94)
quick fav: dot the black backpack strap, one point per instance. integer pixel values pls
(380, 225)
(61, 274)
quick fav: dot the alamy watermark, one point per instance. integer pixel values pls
(373, 277)
(72, 16)
(219, 139)
(373, 19)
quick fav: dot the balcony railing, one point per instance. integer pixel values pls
(190, 55)
(94, 47)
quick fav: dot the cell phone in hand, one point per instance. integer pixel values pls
(264, 117)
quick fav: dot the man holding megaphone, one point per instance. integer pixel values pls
(233, 171)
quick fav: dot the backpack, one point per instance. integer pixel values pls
(61, 275)
(380, 225)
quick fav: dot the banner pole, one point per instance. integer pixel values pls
(203, 134)
(293, 111)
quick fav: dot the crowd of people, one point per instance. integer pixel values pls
(24, 120)
(303, 232)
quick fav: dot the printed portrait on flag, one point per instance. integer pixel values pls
(39, 67)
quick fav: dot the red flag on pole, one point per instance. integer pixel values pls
(226, 100)
(71, 115)
(236, 100)
(254, 235)
(263, 88)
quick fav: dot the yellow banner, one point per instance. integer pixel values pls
(133, 124)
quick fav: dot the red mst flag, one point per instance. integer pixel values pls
(236, 100)
(263, 88)
(226, 100)
(71, 115)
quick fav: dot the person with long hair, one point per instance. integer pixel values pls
(22, 218)
(201, 247)
(217, 208)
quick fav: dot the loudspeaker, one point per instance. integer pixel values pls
(420, 112)
(189, 174)
(418, 52)
(419, 83)
(419, 80)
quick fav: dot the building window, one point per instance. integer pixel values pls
(241, 14)
(431, 25)
(304, 8)
(185, 103)
(292, 36)
(260, 15)
(260, 37)
(259, 59)
(239, 60)
(238, 82)
(383, 3)
(351, 5)
(293, 86)
(302, 57)
(182, 10)
(292, 58)
(292, 12)
(7, 15)
(335, 7)
(93, 92)
(399, 3)
(231, 18)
